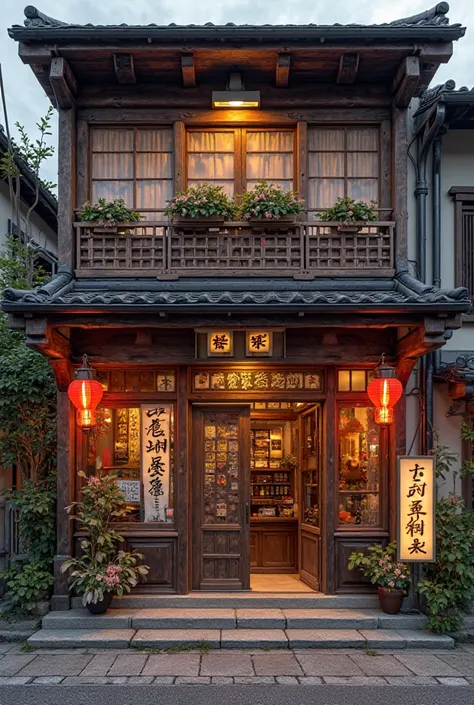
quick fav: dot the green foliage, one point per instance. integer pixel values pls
(101, 568)
(27, 584)
(380, 565)
(467, 434)
(269, 201)
(201, 201)
(36, 505)
(346, 210)
(109, 212)
(16, 262)
(448, 584)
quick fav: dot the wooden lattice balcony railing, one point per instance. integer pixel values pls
(302, 250)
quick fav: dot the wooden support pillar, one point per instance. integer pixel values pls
(179, 156)
(65, 495)
(182, 471)
(66, 185)
(399, 186)
(328, 487)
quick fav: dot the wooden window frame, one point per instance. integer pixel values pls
(462, 196)
(133, 180)
(240, 151)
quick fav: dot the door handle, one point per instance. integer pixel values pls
(247, 513)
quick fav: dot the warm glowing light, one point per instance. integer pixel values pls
(85, 393)
(384, 392)
(236, 103)
(416, 488)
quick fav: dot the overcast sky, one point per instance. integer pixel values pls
(26, 100)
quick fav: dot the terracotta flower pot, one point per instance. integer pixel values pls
(184, 220)
(102, 606)
(390, 600)
(347, 229)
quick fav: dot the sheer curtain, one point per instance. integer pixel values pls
(211, 159)
(269, 156)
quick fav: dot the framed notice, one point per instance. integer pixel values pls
(416, 488)
(130, 490)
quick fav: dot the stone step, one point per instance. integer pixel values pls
(244, 600)
(214, 618)
(183, 639)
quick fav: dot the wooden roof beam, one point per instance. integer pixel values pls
(406, 81)
(124, 68)
(188, 70)
(283, 70)
(63, 83)
(348, 67)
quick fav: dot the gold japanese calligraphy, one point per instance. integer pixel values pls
(258, 380)
(417, 513)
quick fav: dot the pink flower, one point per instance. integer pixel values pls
(98, 577)
(396, 571)
(93, 481)
(380, 562)
(391, 584)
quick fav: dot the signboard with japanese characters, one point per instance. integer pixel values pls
(220, 343)
(262, 381)
(130, 490)
(259, 343)
(156, 442)
(416, 509)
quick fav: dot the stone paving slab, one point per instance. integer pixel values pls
(330, 619)
(166, 638)
(99, 665)
(328, 665)
(402, 621)
(10, 665)
(190, 680)
(426, 665)
(260, 619)
(411, 680)
(55, 665)
(184, 619)
(172, 665)
(382, 665)
(453, 681)
(281, 664)
(426, 640)
(128, 665)
(96, 680)
(14, 680)
(462, 662)
(89, 638)
(83, 619)
(259, 638)
(383, 639)
(325, 638)
(356, 680)
(222, 664)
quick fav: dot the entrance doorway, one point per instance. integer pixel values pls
(256, 497)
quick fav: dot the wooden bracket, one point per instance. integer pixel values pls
(188, 71)
(63, 83)
(406, 81)
(124, 68)
(348, 67)
(423, 340)
(46, 340)
(63, 373)
(283, 70)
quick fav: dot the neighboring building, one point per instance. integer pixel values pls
(234, 344)
(443, 123)
(43, 220)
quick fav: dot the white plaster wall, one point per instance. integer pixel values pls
(41, 232)
(448, 430)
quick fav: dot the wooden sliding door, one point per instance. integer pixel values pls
(220, 501)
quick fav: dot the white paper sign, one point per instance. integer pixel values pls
(130, 490)
(155, 425)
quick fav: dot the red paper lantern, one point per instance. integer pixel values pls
(384, 392)
(85, 392)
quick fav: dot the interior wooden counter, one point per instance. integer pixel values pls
(273, 544)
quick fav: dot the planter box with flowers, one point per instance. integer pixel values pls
(109, 216)
(380, 565)
(102, 571)
(350, 215)
(269, 202)
(204, 203)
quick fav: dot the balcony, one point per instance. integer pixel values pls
(301, 250)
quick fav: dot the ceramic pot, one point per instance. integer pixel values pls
(390, 600)
(102, 606)
(183, 220)
(346, 229)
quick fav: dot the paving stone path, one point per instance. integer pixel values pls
(246, 666)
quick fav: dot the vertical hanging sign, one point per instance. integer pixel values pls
(416, 509)
(155, 425)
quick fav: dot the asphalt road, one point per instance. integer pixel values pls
(236, 695)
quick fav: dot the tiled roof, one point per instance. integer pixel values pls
(435, 18)
(402, 293)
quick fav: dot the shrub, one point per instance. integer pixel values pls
(346, 211)
(380, 565)
(448, 584)
(269, 201)
(109, 212)
(27, 584)
(201, 201)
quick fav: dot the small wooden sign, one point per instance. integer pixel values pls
(220, 343)
(131, 490)
(259, 343)
(416, 486)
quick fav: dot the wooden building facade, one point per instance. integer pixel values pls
(246, 347)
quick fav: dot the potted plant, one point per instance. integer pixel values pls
(269, 202)
(102, 570)
(201, 203)
(351, 215)
(108, 215)
(380, 565)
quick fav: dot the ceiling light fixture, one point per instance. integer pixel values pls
(235, 95)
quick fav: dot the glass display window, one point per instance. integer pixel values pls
(359, 467)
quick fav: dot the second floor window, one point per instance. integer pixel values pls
(237, 159)
(135, 164)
